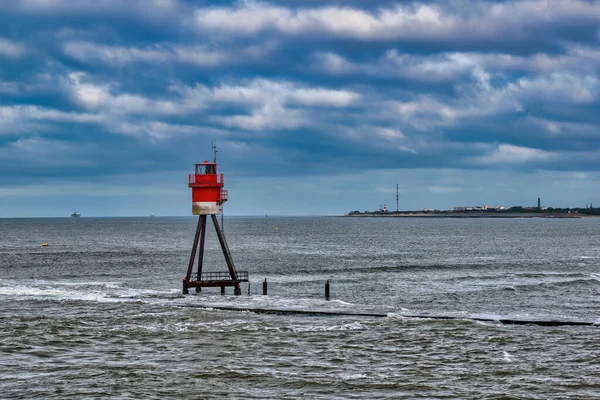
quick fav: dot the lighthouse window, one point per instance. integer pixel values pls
(205, 169)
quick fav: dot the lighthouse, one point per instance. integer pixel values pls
(208, 196)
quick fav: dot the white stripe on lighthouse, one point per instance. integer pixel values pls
(205, 208)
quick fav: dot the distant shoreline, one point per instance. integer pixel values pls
(471, 215)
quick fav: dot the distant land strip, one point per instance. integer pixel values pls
(492, 214)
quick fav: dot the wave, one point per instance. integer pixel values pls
(66, 290)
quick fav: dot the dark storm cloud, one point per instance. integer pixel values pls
(94, 89)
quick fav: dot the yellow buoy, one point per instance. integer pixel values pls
(44, 244)
(276, 228)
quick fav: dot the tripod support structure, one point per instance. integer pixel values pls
(212, 279)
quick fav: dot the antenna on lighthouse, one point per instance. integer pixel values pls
(215, 151)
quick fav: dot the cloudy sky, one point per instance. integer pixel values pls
(318, 107)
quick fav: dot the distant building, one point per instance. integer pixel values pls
(494, 208)
(478, 208)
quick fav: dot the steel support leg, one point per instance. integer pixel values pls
(188, 275)
(227, 255)
(201, 252)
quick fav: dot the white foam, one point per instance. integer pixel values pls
(352, 377)
(93, 291)
(494, 317)
(395, 316)
(354, 326)
(50, 293)
(270, 301)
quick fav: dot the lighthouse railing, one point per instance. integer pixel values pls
(208, 179)
(223, 196)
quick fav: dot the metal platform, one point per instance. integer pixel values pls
(217, 279)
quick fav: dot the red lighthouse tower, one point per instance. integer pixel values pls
(208, 197)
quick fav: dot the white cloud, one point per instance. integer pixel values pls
(86, 94)
(429, 106)
(444, 67)
(157, 130)
(269, 116)
(323, 97)
(41, 146)
(375, 138)
(567, 129)
(449, 21)
(20, 119)
(262, 91)
(559, 87)
(477, 98)
(579, 62)
(144, 9)
(10, 49)
(578, 59)
(9, 87)
(43, 151)
(272, 103)
(269, 104)
(254, 17)
(99, 98)
(390, 134)
(119, 55)
(509, 154)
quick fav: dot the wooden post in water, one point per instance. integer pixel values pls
(265, 287)
(327, 289)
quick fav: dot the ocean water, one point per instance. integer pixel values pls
(99, 313)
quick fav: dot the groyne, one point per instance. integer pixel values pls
(333, 313)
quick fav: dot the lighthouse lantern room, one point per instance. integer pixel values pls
(208, 197)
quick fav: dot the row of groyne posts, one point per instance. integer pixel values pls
(265, 288)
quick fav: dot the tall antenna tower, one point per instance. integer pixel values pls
(397, 198)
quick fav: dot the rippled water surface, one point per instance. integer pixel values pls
(99, 312)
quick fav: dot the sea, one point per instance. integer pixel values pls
(99, 312)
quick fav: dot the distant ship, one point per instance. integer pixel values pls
(75, 215)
